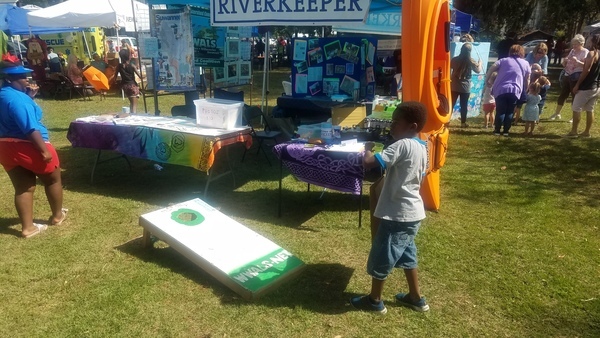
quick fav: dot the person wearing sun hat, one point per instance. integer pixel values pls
(25, 152)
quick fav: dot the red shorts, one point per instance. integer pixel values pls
(489, 107)
(21, 153)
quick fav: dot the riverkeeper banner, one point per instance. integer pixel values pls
(287, 12)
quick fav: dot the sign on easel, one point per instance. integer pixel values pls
(246, 262)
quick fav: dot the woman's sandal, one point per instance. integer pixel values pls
(64, 216)
(40, 228)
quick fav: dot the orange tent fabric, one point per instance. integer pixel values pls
(96, 78)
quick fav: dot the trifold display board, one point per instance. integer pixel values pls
(333, 66)
(243, 260)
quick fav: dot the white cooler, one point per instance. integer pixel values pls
(219, 113)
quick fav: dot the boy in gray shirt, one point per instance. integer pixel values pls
(399, 209)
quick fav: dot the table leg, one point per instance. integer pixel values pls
(360, 206)
(211, 176)
(94, 166)
(280, 179)
(146, 239)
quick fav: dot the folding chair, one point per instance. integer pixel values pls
(250, 113)
(184, 110)
(80, 89)
(227, 95)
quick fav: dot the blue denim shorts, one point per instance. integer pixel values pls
(394, 246)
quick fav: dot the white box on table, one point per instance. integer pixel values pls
(219, 113)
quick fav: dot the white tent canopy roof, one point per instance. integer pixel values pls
(86, 13)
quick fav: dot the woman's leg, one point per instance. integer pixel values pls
(589, 120)
(54, 193)
(133, 104)
(500, 112)
(23, 181)
(575, 125)
(565, 91)
(464, 107)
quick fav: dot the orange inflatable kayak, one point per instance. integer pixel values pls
(426, 77)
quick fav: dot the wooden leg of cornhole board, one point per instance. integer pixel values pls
(146, 239)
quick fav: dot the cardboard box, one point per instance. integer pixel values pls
(348, 116)
(219, 113)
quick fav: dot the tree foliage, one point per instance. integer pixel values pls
(513, 15)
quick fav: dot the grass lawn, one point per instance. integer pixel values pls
(513, 251)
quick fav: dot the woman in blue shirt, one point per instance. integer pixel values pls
(25, 152)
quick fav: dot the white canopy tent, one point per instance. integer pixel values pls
(592, 27)
(85, 13)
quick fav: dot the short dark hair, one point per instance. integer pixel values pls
(411, 112)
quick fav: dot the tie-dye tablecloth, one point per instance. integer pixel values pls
(337, 170)
(160, 139)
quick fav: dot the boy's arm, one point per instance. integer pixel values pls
(369, 160)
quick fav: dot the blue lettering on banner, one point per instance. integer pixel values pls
(384, 19)
(55, 42)
(229, 6)
(269, 4)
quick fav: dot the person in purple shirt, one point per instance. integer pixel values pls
(25, 152)
(511, 81)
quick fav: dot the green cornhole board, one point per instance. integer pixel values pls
(238, 257)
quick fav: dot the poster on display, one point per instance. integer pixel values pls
(209, 42)
(331, 66)
(175, 65)
(481, 50)
(227, 50)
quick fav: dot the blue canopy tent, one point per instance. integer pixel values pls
(462, 20)
(13, 21)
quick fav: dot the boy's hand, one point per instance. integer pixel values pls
(369, 146)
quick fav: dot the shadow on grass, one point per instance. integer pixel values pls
(318, 288)
(249, 198)
(6, 226)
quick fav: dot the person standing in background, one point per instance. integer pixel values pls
(25, 152)
(461, 67)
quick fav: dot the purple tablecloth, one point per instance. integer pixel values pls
(337, 170)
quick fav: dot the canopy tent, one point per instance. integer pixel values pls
(13, 21)
(384, 17)
(462, 20)
(85, 13)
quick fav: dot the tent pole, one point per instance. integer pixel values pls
(265, 70)
(137, 38)
(86, 44)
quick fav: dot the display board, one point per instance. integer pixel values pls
(227, 50)
(481, 50)
(174, 68)
(238, 257)
(332, 66)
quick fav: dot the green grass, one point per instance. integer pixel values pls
(513, 251)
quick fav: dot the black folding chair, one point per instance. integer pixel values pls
(251, 113)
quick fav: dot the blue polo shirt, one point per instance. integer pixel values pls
(19, 115)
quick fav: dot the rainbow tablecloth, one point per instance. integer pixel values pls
(161, 139)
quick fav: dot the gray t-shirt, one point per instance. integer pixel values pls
(406, 164)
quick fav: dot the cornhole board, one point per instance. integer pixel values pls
(246, 262)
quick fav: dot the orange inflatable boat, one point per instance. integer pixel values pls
(426, 77)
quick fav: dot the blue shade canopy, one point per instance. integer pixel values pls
(13, 21)
(384, 17)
